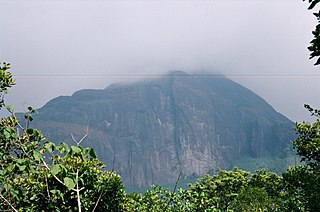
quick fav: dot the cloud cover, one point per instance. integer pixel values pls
(58, 47)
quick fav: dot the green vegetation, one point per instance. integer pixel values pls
(314, 47)
(38, 175)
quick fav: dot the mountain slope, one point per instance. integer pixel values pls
(151, 131)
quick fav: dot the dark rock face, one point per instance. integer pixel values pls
(149, 132)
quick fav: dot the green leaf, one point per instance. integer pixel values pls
(31, 110)
(6, 134)
(92, 153)
(30, 131)
(69, 183)
(55, 169)
(28, 117)
(33, 197)
(62, 148)
(75, 149)
(23, 167)
(7, 186)
(10, 108)
(49, 146)
(36, 155)
(53, 191)
(20, 161)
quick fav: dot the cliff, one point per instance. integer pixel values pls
(151, 131)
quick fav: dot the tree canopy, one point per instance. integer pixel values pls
(314, 47)
(38, 175)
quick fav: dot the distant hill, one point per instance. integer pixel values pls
(151, 131)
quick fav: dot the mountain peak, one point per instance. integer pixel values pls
(177, 73)
(149, 132)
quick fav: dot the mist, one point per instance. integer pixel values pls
(59, 47)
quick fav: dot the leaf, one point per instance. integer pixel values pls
(6, 134)
(33, 197)
(92, 153)
(20, 161)
(65, 146)
(69, 183)
(49, 146)
(28, 117)
(75, 149)
(7, 186)
(10, 108)
(318, 62)
(31, 110)
(36, 155)
(53, 191)
(62, 148)
(30, 131)
(22, 168)
(313, 4)
(55, 169)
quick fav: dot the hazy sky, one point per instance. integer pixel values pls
(57, 47)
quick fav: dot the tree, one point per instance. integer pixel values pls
(219, 190)
(303, 182)
(37, 175)
(6, 82)
(301, 186)
(252, 199)
(314, 48)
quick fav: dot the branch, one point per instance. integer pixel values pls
(45, 164)
(114, 159)
(13, 208)
(95, 206)
(176, 184)
(15, 118)
(78, 191)
(47, 185)
(174, 190)
(78, 142)
(60, 181)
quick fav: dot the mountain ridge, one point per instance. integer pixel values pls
(151, 131)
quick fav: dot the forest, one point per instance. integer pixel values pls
(39, 175)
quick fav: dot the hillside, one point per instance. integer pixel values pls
(151, 131)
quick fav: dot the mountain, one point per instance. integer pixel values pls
(151, 131)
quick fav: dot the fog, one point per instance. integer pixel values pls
(58, 47)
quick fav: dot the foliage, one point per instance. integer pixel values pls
(304, 185)
(160, 199)
(308, 142)
(234, 190)
(303, 182)
(37, 175)
(314, 47)
(269, 181)
(221, 189)
(6, 81)
(252, 199)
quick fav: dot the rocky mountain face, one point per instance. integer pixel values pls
(151, 131)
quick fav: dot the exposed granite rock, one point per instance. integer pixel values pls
(151, 131)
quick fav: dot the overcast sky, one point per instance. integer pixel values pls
(57, 47)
